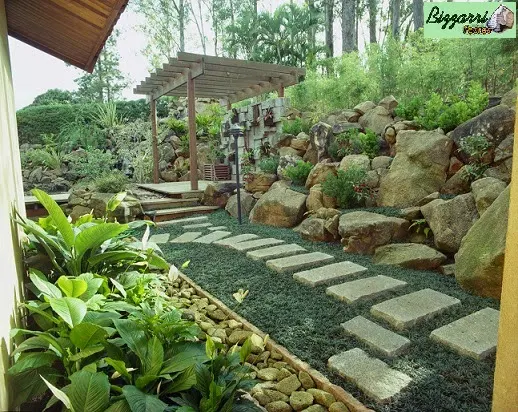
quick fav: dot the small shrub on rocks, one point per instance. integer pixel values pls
(298, 174)
(112, 182)
(269, 164)
(355, 142)
(347, 187)
(295, 126)
(90, 164)
(476, 147)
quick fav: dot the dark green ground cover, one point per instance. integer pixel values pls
(307, 321)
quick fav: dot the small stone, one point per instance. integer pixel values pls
(338, 407)
(315, 408)
(276, 355)
(288, 385)
(220, 333)
(306, 380)
(262, 386)
(205, 326)
(234, 324)
(280, 365)
(263, 357)
(322, 397)
(447, 270)
(218, 314)
(300, 400)
(268, 374)
(283, 373)
(262, 398)
(211, 308)
(239, 336)
(276, 395)
(278, 406)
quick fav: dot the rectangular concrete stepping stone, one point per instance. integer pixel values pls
(275, 251)
(162, 238)
(186, 237)
(373, 376)
(290, 263)
(363, 289)
(376, 336)
(182, 220)
(474, 335)
(217, 228)
(212, 237)
(408, 310)
(328, 273)
(236, 239)
(197, 226)
(256, 243)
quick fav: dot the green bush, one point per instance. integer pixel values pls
(90, 164)
(355, 142)
(299, 173)
(476, 147)
(112, 182)
(269, 164)
(47, 157)
(347, 187)
(409, 110)
(296, 126)
(179, 127)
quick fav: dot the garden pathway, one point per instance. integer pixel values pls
(474, 335)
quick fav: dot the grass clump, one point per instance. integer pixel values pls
(296, 126)
(269, 164)
(347, 187)
(112, 182)
(298, 173)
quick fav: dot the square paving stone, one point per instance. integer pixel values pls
(329, 273)
(371, 375)
(212, 237)
(363, 289)
(408, 310)
(256, 243)
(290, 263)
(236, 239)
(275, 251)
(474, 335)
(376, 336)
(162, 238)
(217, 228)
(197, 226)
(186, 237)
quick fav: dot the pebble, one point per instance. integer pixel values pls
(338, 407)
(322, 397)
(280, 365)
(306, 380)
(263, 357)
(283, 373)
(239, 336)
(278, 406)
(205, 326)
(218, 314)
(301, 400)
(234, 324)
(315, 408)
(211, 308)
(276, 355)
(288, 385)
(268, 374)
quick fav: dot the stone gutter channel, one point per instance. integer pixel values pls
(325, 396)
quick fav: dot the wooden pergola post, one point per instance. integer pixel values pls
(191, 112)
(505, 391)
(154, 140)
(281, 91)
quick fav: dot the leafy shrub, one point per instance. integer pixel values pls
(409, 110)
(90, 164)
(299, 173)
(112, 182)
(355, 142)
(476, 147)
(47, 157)
(347, 187)
(179, 127)
(269, 164)
(296, 126)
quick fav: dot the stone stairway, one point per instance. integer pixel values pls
(474, 335)
(167, 209)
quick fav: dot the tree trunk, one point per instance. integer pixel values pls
(181, 24)
(373, 11)
(418, 14)
(329, 17)
(312, 35)
(396, 14)
(348, 25)
(232, 22)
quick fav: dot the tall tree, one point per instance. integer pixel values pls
(328, 24)
(199, 21)
(106, 82)
(348, 25)
(418, 14)
(373, 11)
(396, 16)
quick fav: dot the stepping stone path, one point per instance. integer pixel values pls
(256, 243)
(371, 375)
(183, 220)
(362, 289)
(236, 239)
(186, 237)
(212, 237)
(329, 273)
(275, 251)
(162, 238)
(474, 335)
(290, 263)
(381, 339)
(408, 310)
(197, 226)
(217, 228)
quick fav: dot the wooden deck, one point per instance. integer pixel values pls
(33, 208)
(179, 189)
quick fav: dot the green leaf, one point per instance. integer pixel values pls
(44, 335)
(86, 334)
(119, 406)
(119, 367)
(34, 342)
(119, 287)
(184, 381)
(143, 381)
(86, 352)
(187, 354)
(115, 201)
(27, 385)
(115, 256)
(57, 215)
(210, 348)
(154, 357)
(73, 288)
(46, 288)
(93, 285)
(62, 396)
(133, 336)
(94, 236)
(142, 402)
(71, 310)
(245, 350)
(32, 360)
(101, 318)
(89, 392)
(91, 367)
(203, 379)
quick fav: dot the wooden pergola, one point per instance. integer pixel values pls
(196, 75)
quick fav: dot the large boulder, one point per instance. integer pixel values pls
(317, 199)
(458, 184)
(356, 160)
(280, 206)
(450, 220)
(419, 168)
(504, 150)
(314, 229)
(320, 137)
(509, 99)
(362, 108)
(485, 191)
(319, 173)
(496, 124)
(259, 182)
(409, 255)
(217, 194)
(479, 264)
(381, 162)
(389, 103)
(247, 203)
(376, 120)
(503, 171)
(127, 210)
(343, 127)
(363, 232)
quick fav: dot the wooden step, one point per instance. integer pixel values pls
(166, 203)
(169, 214)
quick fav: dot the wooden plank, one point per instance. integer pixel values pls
(178, 81)
(191, 112)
